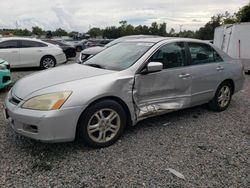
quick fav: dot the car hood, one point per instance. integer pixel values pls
(2, 61)
(93, 50)
(55, 76)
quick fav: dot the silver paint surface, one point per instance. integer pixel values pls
(144, 95)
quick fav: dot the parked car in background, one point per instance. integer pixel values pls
(5, 79)
(120, 86)
(80, 45)
(234, 39)
(25, 52)
(69, 50)
(85, 54)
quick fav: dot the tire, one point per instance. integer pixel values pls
(222, 97)
(98, 132)
(78, 48)
(47, 62)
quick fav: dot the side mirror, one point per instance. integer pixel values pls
(153, 67)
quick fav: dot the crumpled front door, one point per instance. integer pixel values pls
(161, 92)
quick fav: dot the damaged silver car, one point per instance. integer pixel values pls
(120, 86)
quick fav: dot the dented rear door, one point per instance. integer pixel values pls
(167, 90)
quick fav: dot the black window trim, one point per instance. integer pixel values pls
(21, 46)
(18, 43)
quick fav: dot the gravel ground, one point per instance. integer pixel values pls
(209, 149)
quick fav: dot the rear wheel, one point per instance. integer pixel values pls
(48, 62)
(78, 48)
(102, 124)
(222, 97)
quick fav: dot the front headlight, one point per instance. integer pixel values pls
(51, 101)
(2, 67)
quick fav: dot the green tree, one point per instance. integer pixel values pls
(22, 32)
(162, 29)
(187, 34)
(243, 15)
(207, 32)
(111, 32)
(154, 30)
(37, 31)
(60, 32)
(95, 31)
(141, 30)
(227, 18)
(171, 32)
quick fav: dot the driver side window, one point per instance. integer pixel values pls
(170, 55)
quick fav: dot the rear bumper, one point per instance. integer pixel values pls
(46, 126)
(5, 78)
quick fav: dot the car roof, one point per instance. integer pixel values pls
(19, 38)
(159, 39)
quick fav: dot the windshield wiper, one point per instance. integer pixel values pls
(95, 65)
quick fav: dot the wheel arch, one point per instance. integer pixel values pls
(114, 98)
(231, 82)
(47, 55)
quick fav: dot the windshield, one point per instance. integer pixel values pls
(114, 42)
(120, 56)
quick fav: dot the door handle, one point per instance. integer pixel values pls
(220, 68)
(183, 76)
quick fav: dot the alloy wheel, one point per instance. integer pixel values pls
(48, 63)
(104, 125)
(224, 96)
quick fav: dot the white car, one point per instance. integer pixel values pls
(25, 52)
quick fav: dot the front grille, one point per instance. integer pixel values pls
(6, 79)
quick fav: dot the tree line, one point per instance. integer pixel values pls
(205, 33)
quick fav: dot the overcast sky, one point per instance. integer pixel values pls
(79, 15)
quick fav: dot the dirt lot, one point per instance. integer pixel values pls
(209, 149)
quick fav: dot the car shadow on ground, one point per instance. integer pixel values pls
(45, 154)
(162, 120)
(25, 69)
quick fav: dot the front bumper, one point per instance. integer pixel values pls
(46, 126)
(61, 58)
(5, 79)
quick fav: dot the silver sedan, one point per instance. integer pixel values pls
(120, 86)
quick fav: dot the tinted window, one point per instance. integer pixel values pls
(203, 53)
(171, 55)
(31, 44)
(9, 44)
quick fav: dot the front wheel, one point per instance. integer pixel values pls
(48, 62)
(102, 124)
(222, 97)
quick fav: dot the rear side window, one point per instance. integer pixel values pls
(202, 54)
(31, 44)
(9, 44)
(171, 55)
